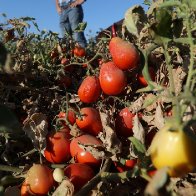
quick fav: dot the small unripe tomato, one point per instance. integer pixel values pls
(39, 179)
(58, 174)
(174, 148)
(58, 147)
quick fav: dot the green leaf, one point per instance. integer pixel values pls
(135, 19)
(81, 27)
(8, 121)
(147, 2)
(164, 22)
(138, 145)
(192, 4)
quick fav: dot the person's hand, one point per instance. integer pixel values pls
(75, 3)
(59, 10)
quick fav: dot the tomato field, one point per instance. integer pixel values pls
(115, 118)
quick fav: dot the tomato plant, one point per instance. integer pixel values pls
(112, 79)
(124, 54)
(173, 147)
(58, 146)
(90, 121)
(39, 179)
(79, 174)
(124, 123)
(81, 155)
(89, 90)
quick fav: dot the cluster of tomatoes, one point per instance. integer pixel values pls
(62, 147)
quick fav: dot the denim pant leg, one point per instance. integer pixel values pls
(64, 23)
(75, 17)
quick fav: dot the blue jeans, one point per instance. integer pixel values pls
(69, 20)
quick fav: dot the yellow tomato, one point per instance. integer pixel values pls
(175, 149)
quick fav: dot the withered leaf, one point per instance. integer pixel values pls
(136, 106)
(66, 188)
(109, 138)
(95, 150)
(159, 119)
(36, 128)
(138, 130)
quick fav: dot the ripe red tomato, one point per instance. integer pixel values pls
(39, 179)
(112, 79)
(89, 90)
(151, 173)
(24, 191)
(85, 65)
(124, 54)
(81, 155)
(58, 147)
(129, 164)
(90, 121)
(64, 61)
(79, 51)
(142, 80)
(79, 174)
(124, 123)
(71, 117)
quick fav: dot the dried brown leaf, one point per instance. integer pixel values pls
(36, 128)
(159, 120)
(179, 75)
(109, 138)
(95, 150)
(66, 188)
(138, 130)
(136, 106)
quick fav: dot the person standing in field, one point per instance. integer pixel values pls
(70, 15)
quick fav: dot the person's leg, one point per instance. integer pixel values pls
(75, 17)
(64, 24)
